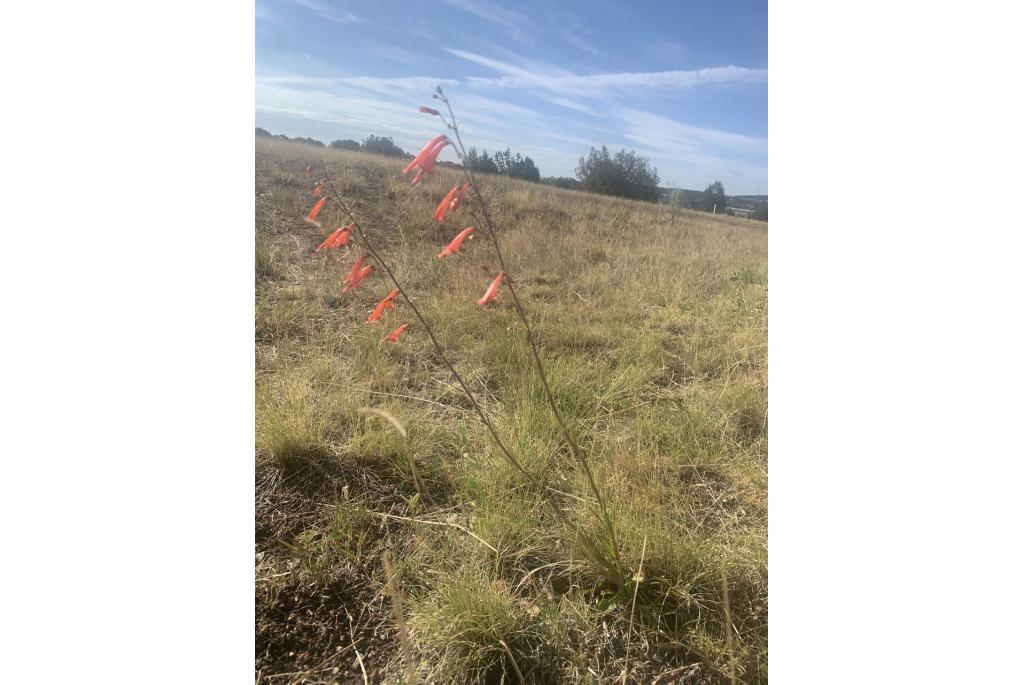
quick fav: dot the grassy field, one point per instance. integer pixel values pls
(653, 325)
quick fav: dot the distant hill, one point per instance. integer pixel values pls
(263, 133)
(753, 206)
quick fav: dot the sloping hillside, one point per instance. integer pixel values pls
(653, 325)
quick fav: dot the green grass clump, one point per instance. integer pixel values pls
(291, 427)
(472, 626)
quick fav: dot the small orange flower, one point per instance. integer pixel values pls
(362, 275)
(341, 237)
(355, 269)
(492, 292)
(393, 335)
(315, 212)
(335, 240)
(430, 161)
(319, 189)
(387, 303)
(453, 246)
(443, 207)
(422, 154)
(450, 201)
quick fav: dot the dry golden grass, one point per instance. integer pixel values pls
(653, 324)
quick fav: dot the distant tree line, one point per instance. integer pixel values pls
(503, 164)
(378, 145)
(263, 133)
(623, 174)
(562, 182)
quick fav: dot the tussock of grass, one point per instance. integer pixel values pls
(291, 427)
(653, 325)
(463, 623)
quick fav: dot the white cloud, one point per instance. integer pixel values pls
(517, 26)
(657, 131)
(580, 42)
(325, 10)
(687, 156)
(598, 85)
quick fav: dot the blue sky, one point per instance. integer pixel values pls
(683, 83)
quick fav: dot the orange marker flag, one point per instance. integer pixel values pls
(358, 278)
(453, 246)
(393, 335)
(387, 303)
(492, 292)
(315, 212)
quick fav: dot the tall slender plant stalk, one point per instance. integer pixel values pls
(615, 569)
(531, 336)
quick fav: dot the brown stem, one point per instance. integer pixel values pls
(440, 350)
(531, 337)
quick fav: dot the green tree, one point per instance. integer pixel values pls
(480, 161)
(345, 145)
(382, 145)
(516, 166)
(714, 196)
(625, 174)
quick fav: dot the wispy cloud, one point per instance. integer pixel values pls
(578, 41)
(388, 86)
(326, 11)
(598, 85)
(517, 26)
(656, 131)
